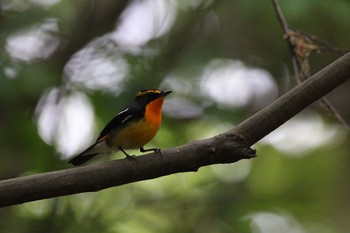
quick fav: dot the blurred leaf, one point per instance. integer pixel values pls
(172, 45)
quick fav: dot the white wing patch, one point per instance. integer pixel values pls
(123, 111)
(126, 118)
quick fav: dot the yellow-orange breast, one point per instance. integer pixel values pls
(137, 134)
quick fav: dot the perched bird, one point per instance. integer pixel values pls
(132, 128)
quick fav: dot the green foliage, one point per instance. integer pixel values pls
(224, 60)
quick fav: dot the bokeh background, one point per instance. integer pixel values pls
(67, 67)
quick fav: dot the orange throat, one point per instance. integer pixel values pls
(153, 113)
(139, 133)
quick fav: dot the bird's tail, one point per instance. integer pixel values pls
(89, 153)
(80, 159)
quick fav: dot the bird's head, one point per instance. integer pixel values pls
(147, 96)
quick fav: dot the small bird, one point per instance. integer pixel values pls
(132, 128)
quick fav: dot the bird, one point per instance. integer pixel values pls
(132, 128)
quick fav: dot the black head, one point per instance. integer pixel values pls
(146, 96)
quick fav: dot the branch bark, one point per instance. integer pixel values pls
(281, 110)
(228, 147)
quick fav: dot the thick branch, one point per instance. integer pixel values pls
(281, 110)
(225, 148)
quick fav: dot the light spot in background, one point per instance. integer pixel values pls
(37, 210)
(98, 66)
(179, 105)
(10, 72)
(267, 222)
(303, 133)
(180, 85)
(231, 173)
(66, 122)
(231, 83)
(11, 5)
(182, 109)
(143, 21)
(209, 127)
(38, 42)
(45, 3)
(194, 4)
(23, 5)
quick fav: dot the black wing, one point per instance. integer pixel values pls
(124, 117)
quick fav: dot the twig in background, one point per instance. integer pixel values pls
(301, 45)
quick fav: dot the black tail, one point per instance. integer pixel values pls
(80, 159)
(84, 156)
(89, 153)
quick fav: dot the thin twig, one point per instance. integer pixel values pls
(286, 31)
(323, 46)
(301, 45)
(330, 108)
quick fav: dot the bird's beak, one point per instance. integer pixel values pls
(165, 93)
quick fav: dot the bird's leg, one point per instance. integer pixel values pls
(151, 149)
(126, 154)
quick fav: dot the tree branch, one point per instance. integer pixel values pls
(306, 43)
(286, 31)
(281, 110)
(228, 147)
